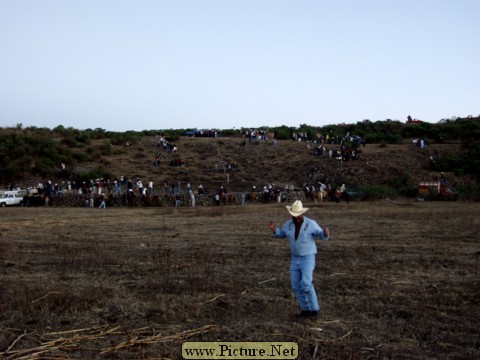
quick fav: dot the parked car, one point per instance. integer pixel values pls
(190, 133)
(11, 200)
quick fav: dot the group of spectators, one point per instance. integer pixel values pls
(419, 143)
(346, 147)
(255, 135)
(101, 187)
(342, 153)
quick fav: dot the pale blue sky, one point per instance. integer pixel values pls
(144, 65)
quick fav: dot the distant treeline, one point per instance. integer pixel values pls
(41, 151)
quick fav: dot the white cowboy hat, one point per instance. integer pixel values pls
(297, 208)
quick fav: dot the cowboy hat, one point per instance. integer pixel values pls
(297, 208)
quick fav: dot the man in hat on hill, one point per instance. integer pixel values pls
(301, 232)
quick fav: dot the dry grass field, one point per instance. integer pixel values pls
(397, 280)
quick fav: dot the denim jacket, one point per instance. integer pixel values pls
(305, 244)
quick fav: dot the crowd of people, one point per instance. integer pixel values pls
(96, 191)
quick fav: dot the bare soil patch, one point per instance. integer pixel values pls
(397, 280)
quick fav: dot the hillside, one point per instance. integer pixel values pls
(259, 164)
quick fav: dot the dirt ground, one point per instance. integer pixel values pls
(397, 280)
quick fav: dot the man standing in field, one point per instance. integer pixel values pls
(301, 232)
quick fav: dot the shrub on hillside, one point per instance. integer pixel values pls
(283, 133)
(8, 173)
(403, 184)
(171, 136)
(78, 156)
(124, 138)
(44, 167)
(469, 192)
(70, 142)
(375, 192)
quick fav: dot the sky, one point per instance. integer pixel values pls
(225, 64)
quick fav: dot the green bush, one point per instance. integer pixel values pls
(122, 138)
(283, 133)
(79, 157)
(469, 192)
(172, 136)
(105, 149)
(9, 173)
(230, 133)
(70, 142)
(404, 185)
(375, 192)
(83, 138)
(44, 167)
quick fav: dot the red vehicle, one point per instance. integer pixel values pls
(435, 190)
(413, 121)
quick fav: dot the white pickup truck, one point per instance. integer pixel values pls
(11, 200)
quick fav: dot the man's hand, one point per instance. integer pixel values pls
(272, 226)
(326, 231)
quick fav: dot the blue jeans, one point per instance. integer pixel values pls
(301, 274)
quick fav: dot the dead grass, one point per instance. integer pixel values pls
(396, 280)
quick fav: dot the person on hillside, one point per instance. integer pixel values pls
(442, 179)
(301, 232)
(99, 186)
(103, 205)
(91, 200)
(178, 198)
(322, 189)
(139, 186)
